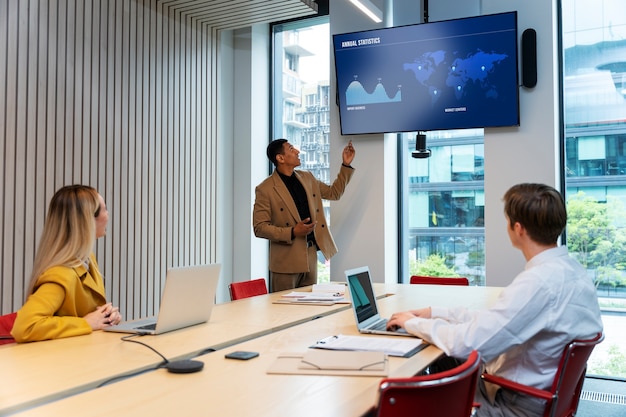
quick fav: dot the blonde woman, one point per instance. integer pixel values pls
(66, 293)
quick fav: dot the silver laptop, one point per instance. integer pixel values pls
(368, 319)
(188, 299)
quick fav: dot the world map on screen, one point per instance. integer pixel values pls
(441, 70)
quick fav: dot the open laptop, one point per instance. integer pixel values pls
(188, 298)
(368, 319)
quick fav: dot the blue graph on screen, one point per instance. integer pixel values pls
(357, 95)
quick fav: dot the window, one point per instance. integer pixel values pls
(595, 173)
(301, 70)
(443, 205)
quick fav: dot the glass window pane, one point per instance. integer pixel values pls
(443, 204)
(439, 164)
(300, 101)
(594, 88)
(591, 148)
(463, 159)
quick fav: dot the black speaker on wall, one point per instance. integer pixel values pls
(529, 58)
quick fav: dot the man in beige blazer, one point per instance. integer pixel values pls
(288, 211)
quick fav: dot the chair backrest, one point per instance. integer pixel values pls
(6, 325)
(247, 289)
(570, 376)
(449, 393)
(419, 279)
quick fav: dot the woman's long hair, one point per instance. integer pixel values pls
(69, 232)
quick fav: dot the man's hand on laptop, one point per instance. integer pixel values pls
(397, 320)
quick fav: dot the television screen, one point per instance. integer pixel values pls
(452, 74)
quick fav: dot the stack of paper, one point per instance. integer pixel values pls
(329, 288)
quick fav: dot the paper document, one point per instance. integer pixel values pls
(295, 301)
(393, 346)
(314, 296)
(332, 288)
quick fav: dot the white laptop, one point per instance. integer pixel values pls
(188, 299)
(368, 319)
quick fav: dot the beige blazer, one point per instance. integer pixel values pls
(275, 214)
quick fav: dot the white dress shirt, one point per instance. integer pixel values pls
(522, 337)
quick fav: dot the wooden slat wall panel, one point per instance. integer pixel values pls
(116, 94)
(120, 95)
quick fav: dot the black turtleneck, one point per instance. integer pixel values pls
(299, 198)
(298, 194)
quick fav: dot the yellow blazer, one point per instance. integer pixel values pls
(61, 297)
(275, 213)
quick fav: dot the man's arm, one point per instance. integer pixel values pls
(336, 189)
(512, 320)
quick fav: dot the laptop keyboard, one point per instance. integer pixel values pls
(151, 326)
(379, 325)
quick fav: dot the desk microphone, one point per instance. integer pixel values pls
(184, 366)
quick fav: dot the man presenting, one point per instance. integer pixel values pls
(288, 212)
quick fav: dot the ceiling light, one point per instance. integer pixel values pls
(369, 9)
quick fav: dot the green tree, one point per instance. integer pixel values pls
(614, 363)
(596, 232)
(596, 235)
(586, 227)
(433, 266)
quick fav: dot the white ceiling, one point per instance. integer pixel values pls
(233, 14)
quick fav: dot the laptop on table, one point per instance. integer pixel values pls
(368, 320)
(188, 299)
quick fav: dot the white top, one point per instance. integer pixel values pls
(552, 302)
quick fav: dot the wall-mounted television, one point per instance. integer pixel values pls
(452, 74)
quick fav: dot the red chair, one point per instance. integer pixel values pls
(449, 393)
(6, 325)
(562, 398)
(419, 279)
(247, 289)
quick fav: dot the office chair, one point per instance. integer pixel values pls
(562, 398)
(449, 393)
(420, 279)
(247, 289)
(6, 325)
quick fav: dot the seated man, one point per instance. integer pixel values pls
(549, 304)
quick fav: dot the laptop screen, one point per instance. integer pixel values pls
(362, 295)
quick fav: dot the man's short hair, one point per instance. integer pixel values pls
(539, 208)
(275, 148)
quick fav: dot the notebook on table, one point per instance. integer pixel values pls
(368, 320)
(188, 299)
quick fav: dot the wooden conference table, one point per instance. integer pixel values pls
(35, 373)
(238, 388)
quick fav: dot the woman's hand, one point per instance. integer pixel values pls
(103, 316)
